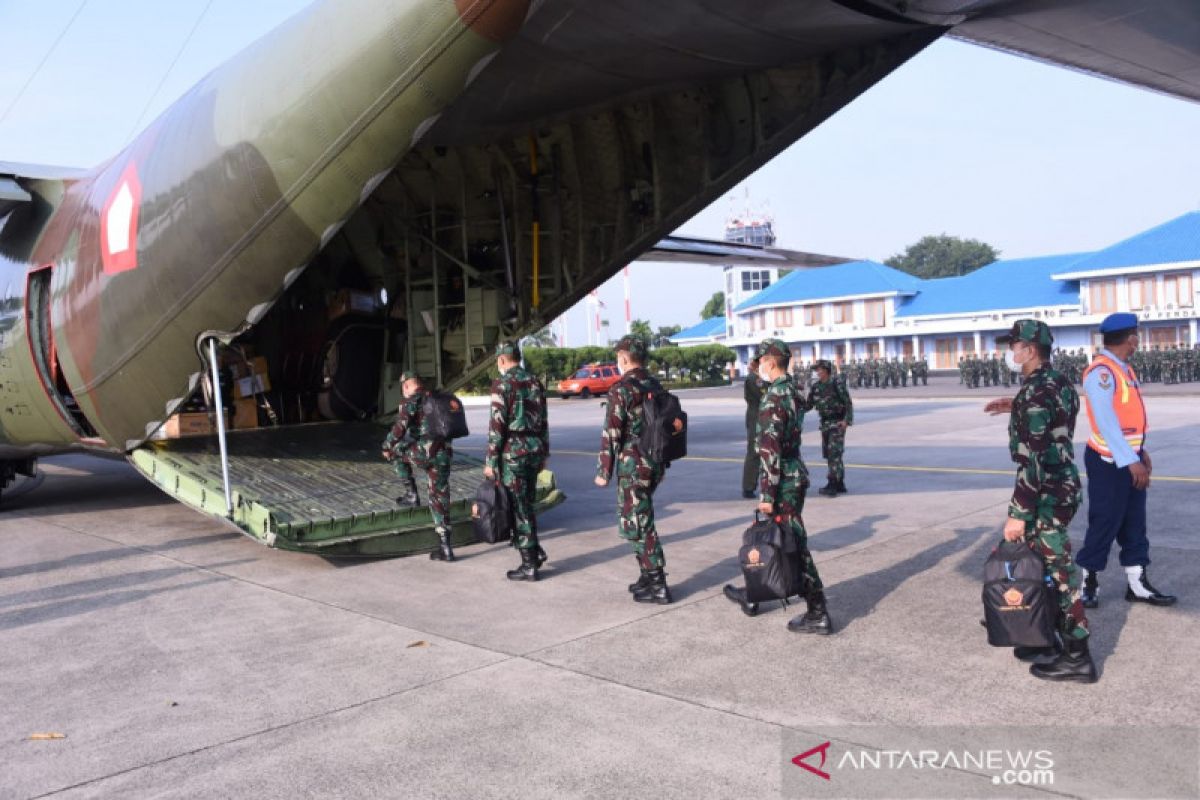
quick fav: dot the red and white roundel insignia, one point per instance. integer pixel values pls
(119, 222)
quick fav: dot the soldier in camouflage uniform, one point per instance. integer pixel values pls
(637, 474)
(1047, 492)
(518, 445)
(752, 393)
(831, 400)
(408, 446)
(784, 478)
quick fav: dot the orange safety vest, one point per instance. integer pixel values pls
(1127, 402)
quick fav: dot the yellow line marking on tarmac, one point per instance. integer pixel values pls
(888, 467)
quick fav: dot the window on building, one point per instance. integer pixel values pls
(1103, 296)
(754, 280)
(875, 313)
(1177, 289)
(783, 318)
(872, 349)
(812, 315)
(843, 312)
(1142, 292)
(761, 317)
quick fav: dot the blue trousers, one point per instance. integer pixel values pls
(1117, 511)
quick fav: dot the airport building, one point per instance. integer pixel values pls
(864, 309)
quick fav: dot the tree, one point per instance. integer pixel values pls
(641, 329)
(715, 307)
(543, 338)
(943, 256)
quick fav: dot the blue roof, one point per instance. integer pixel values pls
(1169, 243)
(854, 278)
(1014, 283)
(714, 326)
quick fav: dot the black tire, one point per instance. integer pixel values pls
(351, 358)
(586, 393)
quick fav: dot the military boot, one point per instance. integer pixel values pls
(528, 571)
(1073, 664)
(443, 552)
(643, 581)
(816, 620)
(1090, 594)
(829, 489)
(655, 591)
(739, 596)
(539, 555)
(1140, 590)
(1024, 653)
(841, 486)
(409, 497)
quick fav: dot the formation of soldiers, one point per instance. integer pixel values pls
(1172, 364)
(884, 373)
(975, 371)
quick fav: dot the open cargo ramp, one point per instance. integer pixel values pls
(320, 488)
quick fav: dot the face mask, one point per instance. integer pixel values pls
(1010, 358)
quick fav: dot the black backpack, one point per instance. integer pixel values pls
(769, 557)
(491, 512)
(1018, 607)
(445, 417)
(664, 426)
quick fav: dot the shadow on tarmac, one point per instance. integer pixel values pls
(112, 554)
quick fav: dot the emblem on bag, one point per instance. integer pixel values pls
(753, 556)
(1014, 597)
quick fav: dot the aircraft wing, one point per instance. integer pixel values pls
(686, 250)
(12, 175)
(1152, 43)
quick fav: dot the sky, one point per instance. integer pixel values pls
(1030, 158)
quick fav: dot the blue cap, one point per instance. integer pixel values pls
(1122, 321)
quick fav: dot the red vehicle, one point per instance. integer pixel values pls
(588, 380)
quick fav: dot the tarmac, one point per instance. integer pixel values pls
(178, 658)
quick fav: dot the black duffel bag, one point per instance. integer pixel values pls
(445, 417)
(769, 561)
(492, 513)
(1018, 607)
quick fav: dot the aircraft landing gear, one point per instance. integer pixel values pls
(9, 470)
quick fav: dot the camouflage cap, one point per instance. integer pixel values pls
(1028, 330)
(774, 347)
(508, 348)
(823, 364)
(634, 345)
(409, 375)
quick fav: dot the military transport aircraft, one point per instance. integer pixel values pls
(381, 185)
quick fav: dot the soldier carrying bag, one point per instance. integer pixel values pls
(664, 427)
(769, 561)
(1018, 607)
(491, 512)
(445, 417)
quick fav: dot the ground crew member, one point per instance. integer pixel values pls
(783, 480)
(752, 392)
(637, 474)
(1047, 492)
(831, 399)
(1118, 466)
(518, 445)
(408, 446)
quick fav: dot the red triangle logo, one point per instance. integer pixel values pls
(820, 773)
